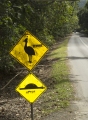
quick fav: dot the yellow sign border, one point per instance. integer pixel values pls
(38, 80)
(18, 42)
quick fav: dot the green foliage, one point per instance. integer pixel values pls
(46, 20)
(83, 17)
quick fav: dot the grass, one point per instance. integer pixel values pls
(60, 72)
(59, 96)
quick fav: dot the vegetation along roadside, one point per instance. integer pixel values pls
(59, 89)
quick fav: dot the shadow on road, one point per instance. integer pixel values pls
(75, 57)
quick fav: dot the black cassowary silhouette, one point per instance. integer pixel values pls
(29, 50)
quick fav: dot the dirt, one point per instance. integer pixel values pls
(15, 107)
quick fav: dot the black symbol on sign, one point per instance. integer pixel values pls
(29, 50)
(30, 91)
(32, 86)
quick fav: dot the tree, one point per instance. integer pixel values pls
(83, 17)
(46, 20)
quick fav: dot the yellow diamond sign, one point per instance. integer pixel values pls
(31, 88)
(29, 50)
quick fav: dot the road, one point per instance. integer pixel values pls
(78, 61)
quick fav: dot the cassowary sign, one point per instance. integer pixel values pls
(29, 50)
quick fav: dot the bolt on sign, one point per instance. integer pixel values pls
(28, 50)
(31, 88)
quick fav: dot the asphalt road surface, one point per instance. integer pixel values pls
(78, 60)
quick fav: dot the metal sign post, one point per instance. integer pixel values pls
(29, 51)
(32, 111)
(33, 87)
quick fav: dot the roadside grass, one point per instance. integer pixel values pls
(60, 72)
(62, 92)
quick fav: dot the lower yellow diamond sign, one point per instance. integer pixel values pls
(31, 88)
